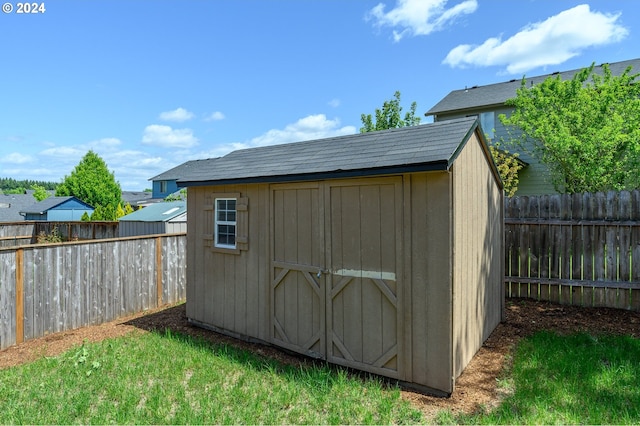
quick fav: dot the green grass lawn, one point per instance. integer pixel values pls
(577, 379)
(161, 378)
(157, 378)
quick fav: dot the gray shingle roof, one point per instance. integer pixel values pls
(426, 147)
(497, 94)
(48, 204)
(12, 204)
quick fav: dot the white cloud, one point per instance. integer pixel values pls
(307, 128)
(16, 158)
(165, 136)
(215, 116)
(64, 152)
(550, 42)
(334, 103)
(419, 17)
(178, 115)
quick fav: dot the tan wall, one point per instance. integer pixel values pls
(229, 291)
(477, 260)
(428, 234)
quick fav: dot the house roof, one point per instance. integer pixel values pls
(416, 148)
(50, 203)
(12, 204)
(135, 197)
(159, 212)
(498, 93)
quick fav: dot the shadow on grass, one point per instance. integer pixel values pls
(172, 323)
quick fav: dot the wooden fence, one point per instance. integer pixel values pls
(51, 288)
(14, 234)
(579, 249)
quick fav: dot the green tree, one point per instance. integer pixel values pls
(586, 130)
(92, 182)
(39, 192)
(389, 116)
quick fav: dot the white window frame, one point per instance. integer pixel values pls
(218, 222)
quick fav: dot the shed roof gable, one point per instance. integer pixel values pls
(498, 93)
(425, 147)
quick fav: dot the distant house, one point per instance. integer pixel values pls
(158, 218)
(488, 102)
(57, 209)
(165, 183)
(12, 204)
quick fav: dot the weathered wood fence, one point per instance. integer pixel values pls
(56, 287)
(579, 249)
(26, 232)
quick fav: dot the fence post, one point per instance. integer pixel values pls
(159, 270)
(19, 296)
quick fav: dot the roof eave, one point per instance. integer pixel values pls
(440, 165)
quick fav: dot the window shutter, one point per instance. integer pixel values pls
(242, 229)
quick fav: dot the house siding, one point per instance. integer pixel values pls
(172, 187)
(534, 178)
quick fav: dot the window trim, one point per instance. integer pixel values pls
(217, 223)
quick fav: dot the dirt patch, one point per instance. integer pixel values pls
(477, 386)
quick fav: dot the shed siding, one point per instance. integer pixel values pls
(227, 290)
(477, 254)
(430, 321)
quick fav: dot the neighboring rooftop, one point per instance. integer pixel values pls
(159, 212)
(12, 204)
(498, 93)
(49, 203)
(136, 198)
(416, 148)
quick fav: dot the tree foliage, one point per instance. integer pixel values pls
(13, 186)
(92, 182)
(586, 130)
(39, 192)
(508, 167)
(389, 116)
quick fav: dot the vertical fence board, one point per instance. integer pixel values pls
(523, 239)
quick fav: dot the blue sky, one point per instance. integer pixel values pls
(148, 85)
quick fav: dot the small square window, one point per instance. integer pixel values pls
(225, 223)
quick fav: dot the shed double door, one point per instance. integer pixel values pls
(335, 289)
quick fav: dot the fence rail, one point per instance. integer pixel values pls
(579, 249)
(51, 288)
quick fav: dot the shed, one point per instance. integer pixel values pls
(159, 218)
(380, 251)
(57, 209)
